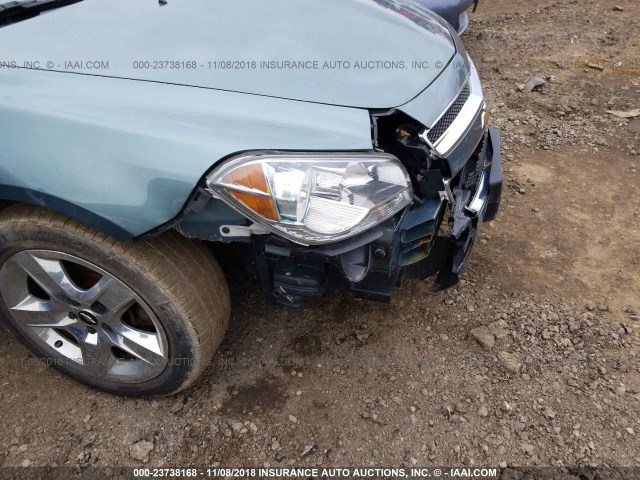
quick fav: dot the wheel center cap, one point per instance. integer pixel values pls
(87, 318)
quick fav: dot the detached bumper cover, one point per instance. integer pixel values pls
(468, 218)
(495, 177)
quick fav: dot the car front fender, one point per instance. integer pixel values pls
(125, 156)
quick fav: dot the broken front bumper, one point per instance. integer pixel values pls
(422, 246)
(434, 236)
(483, 207)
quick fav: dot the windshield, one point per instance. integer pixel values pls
(17, 11)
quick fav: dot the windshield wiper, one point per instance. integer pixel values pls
(17, 11)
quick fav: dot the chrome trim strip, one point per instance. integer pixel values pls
(467, 116)
(481, 196)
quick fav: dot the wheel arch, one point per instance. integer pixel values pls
(10, 195)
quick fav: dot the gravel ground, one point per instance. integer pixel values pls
(531, 361)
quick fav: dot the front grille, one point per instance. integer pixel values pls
(450, 115)
(473, 169)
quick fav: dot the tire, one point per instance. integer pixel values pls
(144, 319)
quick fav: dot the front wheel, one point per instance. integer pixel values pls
(134, 319)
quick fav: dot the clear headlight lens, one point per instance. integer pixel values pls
(314, 198)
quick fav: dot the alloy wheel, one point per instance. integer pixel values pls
(83, 317)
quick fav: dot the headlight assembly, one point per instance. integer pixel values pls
(314, 198)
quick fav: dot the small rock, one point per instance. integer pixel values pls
(87, 418)
(484, 337)
(549, 413)
(275, 445)
(237, 426)
(26, 463)
(178, 404)
(141, 450)
(527, 448)
(309, 450)
(498, 329)
(361, 336)
(531, 84)
(633, 384)
(293, 419)
(483, 412)
(509, 361)
(617, 8)
(398, 400)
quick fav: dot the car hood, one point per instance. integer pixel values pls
(359, 53)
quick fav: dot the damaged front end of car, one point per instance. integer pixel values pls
(457, 174)
(409, 208)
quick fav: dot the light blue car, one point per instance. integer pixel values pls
(334, 144)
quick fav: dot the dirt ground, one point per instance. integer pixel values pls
(531, 361)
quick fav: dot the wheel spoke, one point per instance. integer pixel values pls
(62, 323)
(143, 345)
(91, 295)
(96, 354)
(49, 274)
(115, 296)
(34, 312)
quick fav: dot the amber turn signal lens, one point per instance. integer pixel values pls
(250, 176)
(261, 205)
